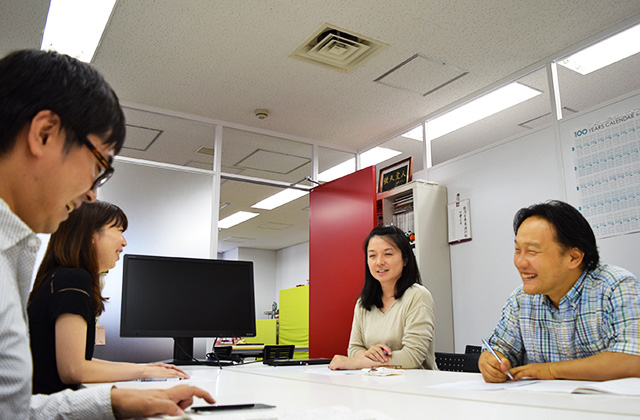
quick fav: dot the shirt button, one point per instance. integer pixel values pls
(32, 242)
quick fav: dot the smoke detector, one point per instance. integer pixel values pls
(262, 113)
(337, 48)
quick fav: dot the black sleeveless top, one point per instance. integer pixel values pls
(66, 291)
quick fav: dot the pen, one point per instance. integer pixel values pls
(157, 379)
(488, 347)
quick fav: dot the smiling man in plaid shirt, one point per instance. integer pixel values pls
(572, 318)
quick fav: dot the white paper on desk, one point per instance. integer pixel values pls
(324, 370)
(196, 378)
(626, 386)
(382, 371)
(554, 386)
(481, 385)
(168, 383)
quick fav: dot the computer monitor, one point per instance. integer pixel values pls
(185, 298)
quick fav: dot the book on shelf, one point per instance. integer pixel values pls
(404, 221)
(405, 199)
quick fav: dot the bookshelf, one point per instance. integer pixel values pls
(421, 208)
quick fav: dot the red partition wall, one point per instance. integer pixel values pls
(341, 215)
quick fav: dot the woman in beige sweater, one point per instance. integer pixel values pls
(393, 318)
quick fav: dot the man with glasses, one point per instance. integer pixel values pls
(106, 170)
(60, 126)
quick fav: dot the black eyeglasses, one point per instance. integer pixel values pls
(107, 170)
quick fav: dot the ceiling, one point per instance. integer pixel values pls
(181, 67)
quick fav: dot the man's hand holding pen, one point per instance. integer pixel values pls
(492, 370)
(494, 365)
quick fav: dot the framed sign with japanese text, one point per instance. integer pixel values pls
(459, 221)
(397, 174)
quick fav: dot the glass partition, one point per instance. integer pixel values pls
(333, 164)
(152, 136)
(409, 144)
(280, 227)
(262, 156)
(579, 91)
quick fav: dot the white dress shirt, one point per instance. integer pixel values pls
(18, 248)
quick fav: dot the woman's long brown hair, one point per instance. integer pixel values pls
(71, 245)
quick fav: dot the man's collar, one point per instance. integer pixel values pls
(574, 294)
(13, 230)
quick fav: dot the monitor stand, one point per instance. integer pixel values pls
(183, 354)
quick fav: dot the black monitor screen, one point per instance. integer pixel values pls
(187, 297)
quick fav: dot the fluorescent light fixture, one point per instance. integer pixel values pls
(415, 134)
(74, 27)
(482, 107)
(338, 171)
(608, 51)
(368, 158)
(377, 155)
(277, 200)
(236, 219)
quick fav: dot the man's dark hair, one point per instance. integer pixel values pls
(32, 81)
(571, 228)
(372, 291)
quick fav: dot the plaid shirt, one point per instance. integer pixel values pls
(600, 313)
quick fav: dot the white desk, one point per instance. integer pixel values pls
(399, 397)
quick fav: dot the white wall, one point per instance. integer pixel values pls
(274, 271)
(264, 273)
(169, 214)
(292, 268)
(498, 182)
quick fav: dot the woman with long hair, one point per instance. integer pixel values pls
(393, 318)
(67, 297)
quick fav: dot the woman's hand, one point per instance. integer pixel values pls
(378, 353)
(163, 370)
(350, 363)
(341, 363)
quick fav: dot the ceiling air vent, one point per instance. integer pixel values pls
(337, 48)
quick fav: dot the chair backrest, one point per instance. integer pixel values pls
(470, 349)
(278, 352)
(457, 362)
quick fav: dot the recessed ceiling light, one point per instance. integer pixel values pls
(236, 219)
(482, 107)
(368, 158)
(613, 49)
(277, 200)
(75, 27)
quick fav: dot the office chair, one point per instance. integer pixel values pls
(471, 349)
(277, 352)
(457, 362)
